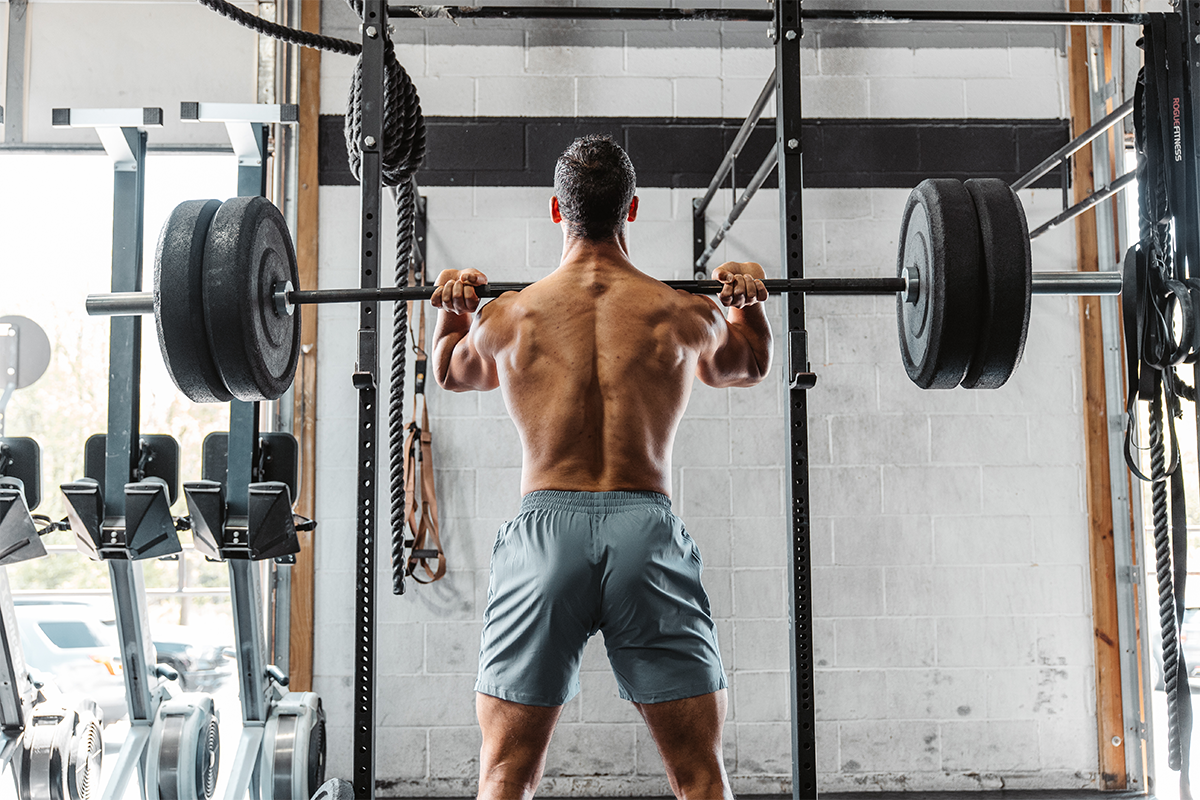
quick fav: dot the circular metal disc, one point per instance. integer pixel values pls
(1008, 268)
(208, 758)
(939, 239)
(32, 351)
(248, 253)
(87, 753)
(179, 305)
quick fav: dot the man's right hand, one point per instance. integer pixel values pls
(743, 284)
(455, 290)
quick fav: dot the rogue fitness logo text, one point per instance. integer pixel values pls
(1175, 114)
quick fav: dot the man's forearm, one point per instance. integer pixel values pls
(447, 333)
(752, 324)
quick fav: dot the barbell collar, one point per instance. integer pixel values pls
(908, 284)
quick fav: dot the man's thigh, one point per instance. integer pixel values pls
(514, 730)
(687, 727)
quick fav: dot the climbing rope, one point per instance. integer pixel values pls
(403, 150)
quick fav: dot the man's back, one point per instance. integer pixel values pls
(596, 364)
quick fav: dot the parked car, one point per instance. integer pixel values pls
(70, 643)
(202, 666)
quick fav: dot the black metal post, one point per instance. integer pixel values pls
(366, 381)
(788, 142)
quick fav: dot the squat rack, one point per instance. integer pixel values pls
(786, 20)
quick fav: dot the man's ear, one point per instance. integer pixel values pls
(633, 209)
(555, 214)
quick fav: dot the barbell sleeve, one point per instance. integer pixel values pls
(1072, 283)
(120, 304)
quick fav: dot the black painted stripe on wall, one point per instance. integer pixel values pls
(685, 153)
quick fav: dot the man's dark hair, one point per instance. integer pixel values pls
(594, 182)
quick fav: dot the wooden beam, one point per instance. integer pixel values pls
(305, 410)
(1109, 718)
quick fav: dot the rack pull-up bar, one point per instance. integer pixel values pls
(766, 15)
(1083, 205)
(739, 142)
(1074, 146)
(760, 177)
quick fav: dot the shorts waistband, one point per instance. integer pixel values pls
(593, 502)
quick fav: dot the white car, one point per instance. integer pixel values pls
(70, 643)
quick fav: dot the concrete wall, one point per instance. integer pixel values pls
(949, 538)
(130, 54)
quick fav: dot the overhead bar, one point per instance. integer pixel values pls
(765, 15)
(1083, 205)
(974, 17)
(739, 142)
(1073, 146)
(583, 13)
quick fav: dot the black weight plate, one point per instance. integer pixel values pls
(179, 305)
(939, 238)
(1008, 269)
(248, 254)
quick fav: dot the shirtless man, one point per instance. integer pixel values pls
(596, 363)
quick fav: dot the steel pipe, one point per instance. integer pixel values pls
(739, 142)
(757, 181)
(765, 15)
(1074, 146)
(1074, 211)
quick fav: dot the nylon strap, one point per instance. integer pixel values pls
(420, 488)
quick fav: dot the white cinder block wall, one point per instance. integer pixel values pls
(949, 529)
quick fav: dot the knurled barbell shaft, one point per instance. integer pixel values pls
(1071, 283)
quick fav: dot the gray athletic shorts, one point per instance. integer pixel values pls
(574, 563)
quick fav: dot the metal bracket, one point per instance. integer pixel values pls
(118, 129)
(365, 378)
(242, 121)
(799, 370)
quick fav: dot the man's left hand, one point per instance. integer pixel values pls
(455, 290)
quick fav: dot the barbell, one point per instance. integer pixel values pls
(226, 302)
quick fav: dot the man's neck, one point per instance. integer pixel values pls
(614, 248)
